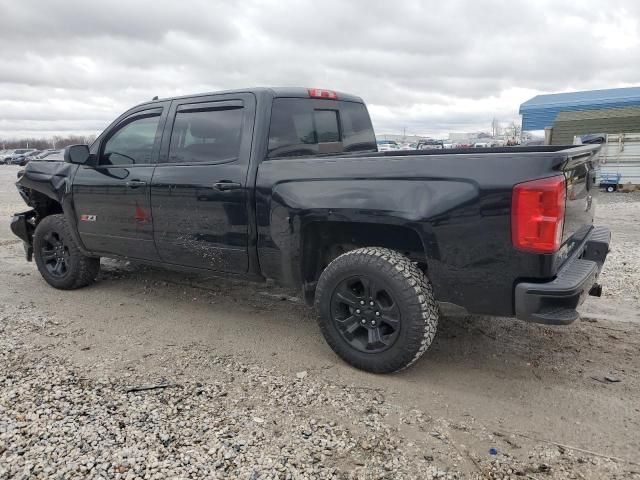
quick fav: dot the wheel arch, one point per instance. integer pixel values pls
(340, 318)
(324, 241)
(53, 241)
(43, 204)
(46, 203)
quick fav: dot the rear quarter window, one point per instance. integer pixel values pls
(301, 126)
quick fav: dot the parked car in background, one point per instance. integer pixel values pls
(386, 145)
(15, 160)
(482, 145)
(23, 159)
(6, 155)
(49, 155)
(430, 145)
(19, 152)
(32, 155)
(45, 152)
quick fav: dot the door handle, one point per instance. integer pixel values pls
(226, 185)
(135, 183)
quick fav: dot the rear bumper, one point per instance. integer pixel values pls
(555, 302)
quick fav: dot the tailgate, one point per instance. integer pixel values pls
(580, 174)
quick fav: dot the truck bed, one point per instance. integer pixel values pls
(452, 204)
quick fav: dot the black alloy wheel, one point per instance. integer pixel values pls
(60, 262)
(376, 309)
(365, 314)
(55, 254)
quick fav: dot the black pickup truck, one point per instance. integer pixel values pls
(287, 184)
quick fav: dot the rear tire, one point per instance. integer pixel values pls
(59, 260)
(376, 309)
(610, 189)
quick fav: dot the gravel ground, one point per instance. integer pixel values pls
(251, 422)
(620, 274)
(246, 387)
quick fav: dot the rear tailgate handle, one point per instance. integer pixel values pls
(135, 183)
(226, 185)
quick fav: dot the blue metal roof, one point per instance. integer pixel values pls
(541, 111)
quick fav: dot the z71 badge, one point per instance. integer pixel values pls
(87, 218)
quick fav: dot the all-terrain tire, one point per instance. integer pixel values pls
(80, 270)
(410, 289)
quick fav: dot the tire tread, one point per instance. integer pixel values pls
(86, 268)
(417, 296)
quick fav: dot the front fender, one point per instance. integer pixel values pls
(53, 180)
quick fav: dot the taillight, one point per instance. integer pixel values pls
(537, 215)
(319, 93)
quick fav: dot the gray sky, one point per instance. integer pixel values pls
(71, 66)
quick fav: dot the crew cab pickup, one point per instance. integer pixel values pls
(287, 184)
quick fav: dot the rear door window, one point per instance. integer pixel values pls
(302, 126)
(206, 134)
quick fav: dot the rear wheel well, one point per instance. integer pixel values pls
(325, 241)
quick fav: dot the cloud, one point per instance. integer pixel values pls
(430, 67)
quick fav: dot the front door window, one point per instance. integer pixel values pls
(132, 143)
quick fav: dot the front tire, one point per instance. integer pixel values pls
(59, 260)
(376, 309)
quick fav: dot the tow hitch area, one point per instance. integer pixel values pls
(596, 290)
(555, 302)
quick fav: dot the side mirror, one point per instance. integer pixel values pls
(78, 154)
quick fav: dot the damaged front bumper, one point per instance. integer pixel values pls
(23, 225)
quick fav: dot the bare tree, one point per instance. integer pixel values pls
(44, 143)
(515, 129)
(62, 142)
(57, 141)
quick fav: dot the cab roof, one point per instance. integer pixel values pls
(273, 92)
